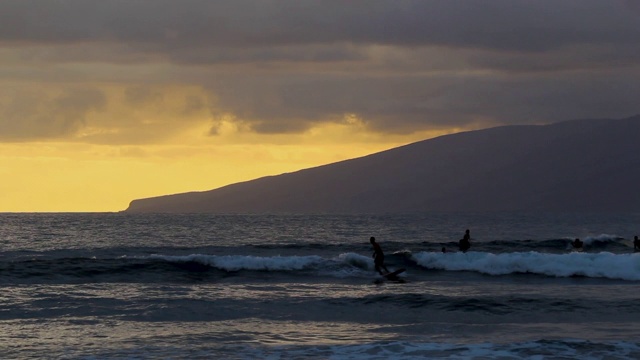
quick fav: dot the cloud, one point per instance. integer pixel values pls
(499, 24)
(35, 114)
(137, 71)
(101, 114)
(404, 103)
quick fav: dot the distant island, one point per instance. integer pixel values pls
(578, 165)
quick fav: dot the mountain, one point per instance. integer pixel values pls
(578, 165)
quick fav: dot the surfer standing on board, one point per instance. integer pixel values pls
(636, 243)
(378, 256)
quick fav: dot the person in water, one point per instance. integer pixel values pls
(577, 244)
(465, 242)
(378, 256)
(636, 243)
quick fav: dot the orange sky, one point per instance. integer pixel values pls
(75, 176)
(127, 150)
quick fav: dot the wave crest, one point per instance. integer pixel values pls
(247, 262)
(600, 265)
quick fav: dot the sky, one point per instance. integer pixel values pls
(107, 101)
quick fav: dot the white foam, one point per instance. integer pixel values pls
(356, 260)
(601, 238)
(596, 265)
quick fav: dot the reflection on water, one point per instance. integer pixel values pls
(88, 336)
(256, 338)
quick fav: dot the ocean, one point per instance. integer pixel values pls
(160, 286)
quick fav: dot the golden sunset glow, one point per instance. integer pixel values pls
(74, 176)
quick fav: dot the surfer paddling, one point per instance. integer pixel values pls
(577, 244)
(378, 256)
(465, 242)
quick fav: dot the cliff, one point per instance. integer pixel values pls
(580, 165)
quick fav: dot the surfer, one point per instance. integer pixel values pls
(465, 242)
(636, 243)
(378, 256)
(577, 244)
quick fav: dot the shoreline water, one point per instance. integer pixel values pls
(276, 287)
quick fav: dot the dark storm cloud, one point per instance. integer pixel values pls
(497, 24)
(401, 66)
(403, 104)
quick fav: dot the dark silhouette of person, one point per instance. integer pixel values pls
(378, 256)
(577, 244)
(636, 243)
(465, 242)
(444, 249)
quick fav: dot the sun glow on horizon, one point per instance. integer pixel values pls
(79, 177)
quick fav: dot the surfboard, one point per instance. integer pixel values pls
(394, 275)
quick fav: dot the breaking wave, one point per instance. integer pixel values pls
(595, 265)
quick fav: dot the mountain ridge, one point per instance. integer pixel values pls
(590, 165)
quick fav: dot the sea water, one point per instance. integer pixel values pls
(143, 286)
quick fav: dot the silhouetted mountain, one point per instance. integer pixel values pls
(580, 165)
